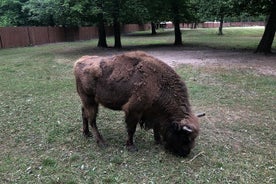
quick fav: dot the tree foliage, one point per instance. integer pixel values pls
(11, 13)
(218, 10)
(118, 12)
(134, 11)
(61, 12)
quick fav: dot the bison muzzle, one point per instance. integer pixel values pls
(146, 89)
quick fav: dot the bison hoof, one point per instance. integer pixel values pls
(87, 134)
(102, 144)
(158, 142)
(132, 148)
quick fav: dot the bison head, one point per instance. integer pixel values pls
(180, 136)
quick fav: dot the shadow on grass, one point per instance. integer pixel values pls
(77, 52)
(148, 34)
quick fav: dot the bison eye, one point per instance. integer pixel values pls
(190, 139)
(176, 126)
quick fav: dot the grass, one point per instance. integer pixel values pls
(41, 140)
(234, 38)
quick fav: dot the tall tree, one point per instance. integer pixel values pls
(42, 13)
(116, 23)
(56, 12)
(69, 13)
(178, 12)
(134, 12)
(257, 8)
(176, 21)
(156, 10)
(11, 13)
(101, 25)
(218, 10)
(125, 11)
(269, 32)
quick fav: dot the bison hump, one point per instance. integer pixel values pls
(89, 65)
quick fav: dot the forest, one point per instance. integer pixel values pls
(116, 12)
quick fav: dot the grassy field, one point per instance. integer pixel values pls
(41, 139)
(234, 38)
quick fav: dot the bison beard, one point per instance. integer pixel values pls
(146, 89)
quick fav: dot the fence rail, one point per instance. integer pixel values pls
(216, 24)
(28, 36)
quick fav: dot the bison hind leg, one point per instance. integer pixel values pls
(85, 126)
(156, 133)
(89, 114)
(132, 119)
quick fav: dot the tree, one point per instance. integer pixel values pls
(218, 10)
(69, 13)
(176, 21)
(269, 32)
(156, 12)
(134, 12)
(178, 11)
(125, 11)
(101, 24)
(116, 23)
(41, 13)
(258, 8)
(195, 15)
(55, 12)
(11, 13)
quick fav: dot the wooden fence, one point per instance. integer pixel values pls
(169, 25)
(28, 36)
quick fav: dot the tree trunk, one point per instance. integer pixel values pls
(101, 32)
(116, 24)
(269, 33)
(101, 28)
(176, 22)
(117, 33)
(220, 26)
(153, 28)
(195, 25)
(177, 33)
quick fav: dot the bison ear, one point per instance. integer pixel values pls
(187, 128)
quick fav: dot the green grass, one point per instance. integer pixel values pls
(234, 38)
(41, 139)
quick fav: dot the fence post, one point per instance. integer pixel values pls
(29, 36)
(1, 45)
(48, 34)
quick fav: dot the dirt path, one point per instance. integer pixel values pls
(265, 65)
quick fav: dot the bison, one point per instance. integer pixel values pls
(146, 89)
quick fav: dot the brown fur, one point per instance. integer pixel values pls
(146, 89)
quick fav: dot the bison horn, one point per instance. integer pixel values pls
(201, 114)
(186, 128)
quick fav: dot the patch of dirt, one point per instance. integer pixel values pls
(261, 64)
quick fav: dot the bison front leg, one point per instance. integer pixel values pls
(156, 133)
(131, 122)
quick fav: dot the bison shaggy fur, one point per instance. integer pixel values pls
(146, 89)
